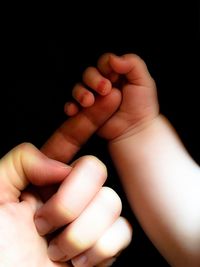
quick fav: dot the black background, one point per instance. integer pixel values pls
(45, 49)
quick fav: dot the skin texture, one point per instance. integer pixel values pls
(164, 194)
(63, 145)
(17, 170)
(161, 190)
(86, 228)
(67, 140)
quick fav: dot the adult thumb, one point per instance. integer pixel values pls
(26, 164)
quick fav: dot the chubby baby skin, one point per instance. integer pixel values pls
(161, 180)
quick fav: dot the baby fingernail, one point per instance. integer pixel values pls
(79, 261)
(42, 226)
(104, 87)
(54, 253)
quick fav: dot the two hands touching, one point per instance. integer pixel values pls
(90, 211)
(87, 214)
(79, 219)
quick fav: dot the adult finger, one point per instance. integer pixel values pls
(73, 133)
(32, 198)
(110, 244)
(26, 164)
(75, 193)
(83, 233)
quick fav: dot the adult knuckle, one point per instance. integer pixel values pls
(112, 199)
(25, 147)
(94, 162)
(106, 250)
(64, 211)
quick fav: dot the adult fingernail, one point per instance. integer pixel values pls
(55, 254)
(79, 261)
(42, 226)
(58, 164)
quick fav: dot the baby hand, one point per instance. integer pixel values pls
(129, 74)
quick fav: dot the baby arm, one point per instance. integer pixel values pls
(159, 177)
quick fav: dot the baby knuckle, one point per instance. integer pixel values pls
(87, 72)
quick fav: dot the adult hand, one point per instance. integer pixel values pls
(92, 217)
(20, 243)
